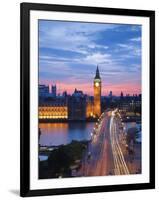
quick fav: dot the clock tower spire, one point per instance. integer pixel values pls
(97, 76)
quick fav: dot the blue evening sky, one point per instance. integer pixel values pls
(70, 51)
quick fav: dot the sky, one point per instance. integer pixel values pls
(69, 53)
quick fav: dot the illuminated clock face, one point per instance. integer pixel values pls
(97, 84)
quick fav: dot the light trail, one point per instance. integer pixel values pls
(119, 161)
(102, 160)
(120, 151)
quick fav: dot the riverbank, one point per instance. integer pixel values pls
(67, 120)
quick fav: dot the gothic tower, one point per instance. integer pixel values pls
(97, 94)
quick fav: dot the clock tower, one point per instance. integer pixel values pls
(97, 94)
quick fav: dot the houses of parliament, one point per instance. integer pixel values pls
(77, 106)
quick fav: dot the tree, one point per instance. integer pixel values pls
(59, 161)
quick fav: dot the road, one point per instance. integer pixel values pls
(104, 155)
(120, 166)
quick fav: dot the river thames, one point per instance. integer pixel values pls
(54, 134)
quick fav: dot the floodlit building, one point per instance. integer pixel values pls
(97, 94)
(90, 107)
(53, 109)
(53, 112)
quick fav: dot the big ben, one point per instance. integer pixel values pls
(97, 94)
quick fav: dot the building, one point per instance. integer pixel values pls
(89, 107)
(77, 106)
(53, 90)
(43, 91)
(97, 94)
(105, 102)
(121, 95)
(130, 103)
(110, 94)
(53, 112)
(53, 109)
(64, 94)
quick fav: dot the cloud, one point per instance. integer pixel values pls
(136, 39)
(130, 50)
(97, 58)
(78, 37)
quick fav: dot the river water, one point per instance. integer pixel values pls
(63, 133)
(54, 134)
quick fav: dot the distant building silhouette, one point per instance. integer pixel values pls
(110, 94)
(43, 91)
(53, 90)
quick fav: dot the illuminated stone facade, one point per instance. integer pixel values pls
(97, 94)
(90, 108)
(53, 112)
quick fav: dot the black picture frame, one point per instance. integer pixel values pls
(25, 9)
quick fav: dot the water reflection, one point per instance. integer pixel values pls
(64, 133)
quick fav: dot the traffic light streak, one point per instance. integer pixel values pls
(120, 166)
